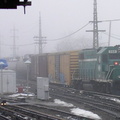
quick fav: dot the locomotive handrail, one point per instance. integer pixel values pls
(108, 71)
(111, 72)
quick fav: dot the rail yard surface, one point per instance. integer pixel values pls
(104, 106)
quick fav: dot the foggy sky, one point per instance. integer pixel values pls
(58, 18)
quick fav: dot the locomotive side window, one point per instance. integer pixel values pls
(114, 56)
(104, 58)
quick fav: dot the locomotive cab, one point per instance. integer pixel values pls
(108, 69)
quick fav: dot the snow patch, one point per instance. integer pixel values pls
(57, 101)
(84, 113)
(116, 100)
(21, 94)
(78, 111)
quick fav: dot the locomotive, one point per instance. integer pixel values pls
(99, 69)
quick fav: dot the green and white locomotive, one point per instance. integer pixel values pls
(99, 69)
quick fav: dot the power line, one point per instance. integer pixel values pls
(112, 36)
(53, 39)
(110, 20)
(69, 34)
(18, 45)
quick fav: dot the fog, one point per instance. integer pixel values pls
(59, 18)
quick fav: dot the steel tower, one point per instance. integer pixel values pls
(95, 27)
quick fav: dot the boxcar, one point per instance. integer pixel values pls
(61, 66)
(39, 66)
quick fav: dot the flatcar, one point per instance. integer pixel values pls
(99, 69)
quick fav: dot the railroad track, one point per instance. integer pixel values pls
(56, 112)
(99, 103)
(15, 110)
(29, 114)
(9, 114)
(109, 98)
(2, 117)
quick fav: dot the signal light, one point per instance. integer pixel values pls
(116, 63)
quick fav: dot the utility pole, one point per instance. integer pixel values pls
(14, 43)
(95, 27)
(40, 41)
(109, 33)
(110, 27)
(40, 35)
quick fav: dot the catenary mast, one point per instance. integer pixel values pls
(95, 27)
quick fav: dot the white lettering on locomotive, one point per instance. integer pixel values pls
(112, 51)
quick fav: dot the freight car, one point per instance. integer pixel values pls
(59, 67)
(99, 69)
(39, 66)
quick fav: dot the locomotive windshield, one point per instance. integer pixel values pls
(114, 56)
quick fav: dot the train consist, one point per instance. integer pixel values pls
(90, 69)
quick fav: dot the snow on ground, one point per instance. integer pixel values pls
(84, 113)
(115, 99)
(63, 103)
(22, 95)
(78, 111)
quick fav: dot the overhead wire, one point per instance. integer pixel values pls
(54, 39)
(18, 45)
(110, 20)
(69, 34)
(112, 36)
